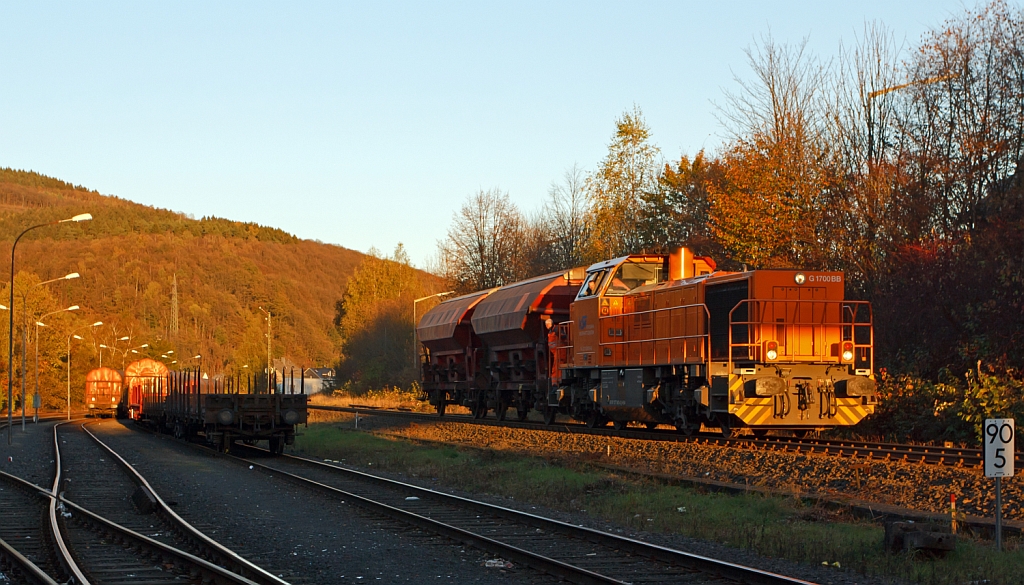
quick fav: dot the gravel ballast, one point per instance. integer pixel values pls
(913, 486)
(300, 535)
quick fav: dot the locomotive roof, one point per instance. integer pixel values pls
(621, 259)
(440, 322)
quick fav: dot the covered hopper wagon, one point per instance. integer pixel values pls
(103, 392)
(489, 350)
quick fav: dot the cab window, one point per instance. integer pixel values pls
(631, 275)
(592, 284)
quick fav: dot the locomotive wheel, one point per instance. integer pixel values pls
(522, 413)
(276, 446)
(651, 426)
(501, 411)
(595, 420)
(760, 433)
(801, 434)
(619, 425)
(726, 425)
(549, 416)
(441, 406)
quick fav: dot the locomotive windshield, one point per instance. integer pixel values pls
(592, 284)
(633, 275)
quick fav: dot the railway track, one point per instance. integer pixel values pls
(566, 551)
(871, 451)
(141, 542)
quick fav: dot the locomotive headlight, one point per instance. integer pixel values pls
(94, 399)
(225, 416)
(290, 417)
(771, 350)
(800, 278)
(847, 352)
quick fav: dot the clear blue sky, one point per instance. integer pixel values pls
(369, 124)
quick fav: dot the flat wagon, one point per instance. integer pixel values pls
(195, 406)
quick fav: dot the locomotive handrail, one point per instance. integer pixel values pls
(819, 326)
(705, 337)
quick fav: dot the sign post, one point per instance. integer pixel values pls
(999, 457)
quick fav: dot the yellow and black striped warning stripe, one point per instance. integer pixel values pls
(754, 411)
(850, 411)
(758, 411)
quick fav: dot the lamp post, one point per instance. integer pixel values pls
(415, 336)
(269, 339)
(10, 331)
(24, 340)
(134, 350)
(35, 397)
(70, 337)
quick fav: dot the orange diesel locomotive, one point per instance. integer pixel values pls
(667, 339)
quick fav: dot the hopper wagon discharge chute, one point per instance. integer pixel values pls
(668, 339)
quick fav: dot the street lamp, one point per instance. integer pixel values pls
(415, 335)
(25, 335)
(112, 348)
(35, 397)
(10, 332)
(269, 340)
(70, 337)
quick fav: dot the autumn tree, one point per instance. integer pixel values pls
(966, 125)
(877, 209)
(766, 210)
(679, 212)
(374, 317)
(31, 303)
(619, 186)
(485, 246)
(569, 220)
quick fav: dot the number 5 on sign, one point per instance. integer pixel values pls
(999, 449)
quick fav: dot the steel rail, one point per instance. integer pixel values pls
(872, 451)
(207, 570)
(15, 561)
(554, 567)
(225, 556)
(548, 565)
(63, 552)
(24, 567)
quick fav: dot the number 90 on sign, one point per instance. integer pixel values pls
(999, 449)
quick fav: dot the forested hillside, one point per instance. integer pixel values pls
(129, 257)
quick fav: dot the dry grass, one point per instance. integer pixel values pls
(390, 398)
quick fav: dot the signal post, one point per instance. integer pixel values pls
(999, 458)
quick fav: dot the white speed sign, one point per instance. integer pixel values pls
(999, 449)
